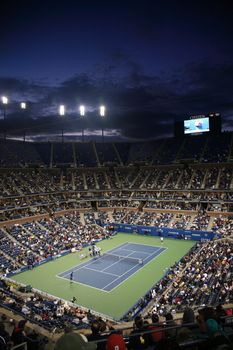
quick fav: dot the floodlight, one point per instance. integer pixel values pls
(82, 110)
(102, 111)
(4, 100)
(61, 110)
(23, 105)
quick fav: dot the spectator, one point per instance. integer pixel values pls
(188, 316)
(96, 328)
(74, 341)
(170, 333)
(138, 339)
(115, 341)
(5, 340)
(158, 331)
(209, 326)
(187, 333)
(220, 312)
(18, 335)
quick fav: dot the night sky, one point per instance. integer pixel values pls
(149, 62)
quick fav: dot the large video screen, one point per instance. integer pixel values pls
(196, 126)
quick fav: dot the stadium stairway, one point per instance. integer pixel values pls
(19, 243)
(210, 224)
(204, 180)
(191, 179)
(82, 219)
(145, 179)
(190, 222)
(11, 239)
(231, 185)
(218, 179)
(107, 180)
(174, 219)
(137, 220)
(96, 154)
(117, 154)
(96, 215)
(41, 226)
(110, 216)
(117, 178)
(8, 257)
(84, 181)
(97, 187)
(74, 155)
(72, 181)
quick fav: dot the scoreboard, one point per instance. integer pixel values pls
(198, 125)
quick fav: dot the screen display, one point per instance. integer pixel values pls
(196, 126)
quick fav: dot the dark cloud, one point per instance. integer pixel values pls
(23, 89)
(138, 105)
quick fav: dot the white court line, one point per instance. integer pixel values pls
(121, 276)
(127, 250)
(141, 252)
(84, 284)
(146, 245)
(116, 262)
(109, 291)
(118, 247)
(109, 266)
(126, 273)
(142, 266)
(84, 265)
(79, 267)
(102, 271)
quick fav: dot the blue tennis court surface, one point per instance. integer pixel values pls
(107, 272)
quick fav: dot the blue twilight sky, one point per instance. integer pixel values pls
(149, 62)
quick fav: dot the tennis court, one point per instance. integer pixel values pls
(109, 270)
(120, 299)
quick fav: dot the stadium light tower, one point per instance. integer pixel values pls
(102, 115)
(62, 112)
(23, 106)
(4, 102)
(82, 115)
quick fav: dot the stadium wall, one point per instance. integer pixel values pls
(165, 232)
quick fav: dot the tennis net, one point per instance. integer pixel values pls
(123, 258)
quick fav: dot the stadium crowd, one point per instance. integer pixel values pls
(47, 210)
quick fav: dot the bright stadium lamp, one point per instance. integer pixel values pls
(4, 102)
(62, 110)
(23, 105)
(82, 114)
(82, 110)
(102, 115)
(102, 111)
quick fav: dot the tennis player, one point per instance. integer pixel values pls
(71, 277)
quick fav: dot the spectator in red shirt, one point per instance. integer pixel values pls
(158, 333)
